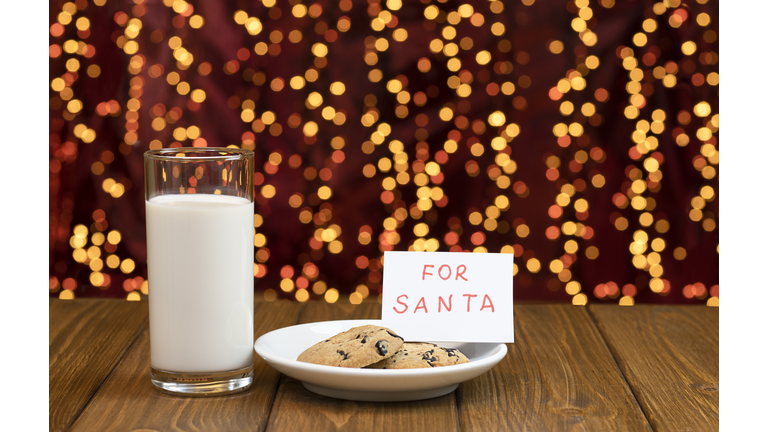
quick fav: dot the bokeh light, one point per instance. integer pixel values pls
(386, 125)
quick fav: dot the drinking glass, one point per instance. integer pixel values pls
(199, 204)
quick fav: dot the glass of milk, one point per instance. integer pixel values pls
(199, 204)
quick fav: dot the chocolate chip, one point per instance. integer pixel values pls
(383, 347)
(365, 339)
(451, 352)
(342, 353)
(394, 335)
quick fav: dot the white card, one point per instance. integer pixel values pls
(448, 296)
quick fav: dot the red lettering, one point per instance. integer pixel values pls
(460, 271)
(424, 272)
(440, 272)
(421, 305)
(469, 298)
(441, 303)
(406, 306)
(490, 304)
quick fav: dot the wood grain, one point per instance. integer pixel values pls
(669, 355)
(129, 402)
(86, 339)
(558, 376)
(297, 409)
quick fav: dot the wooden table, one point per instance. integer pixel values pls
(600, 367)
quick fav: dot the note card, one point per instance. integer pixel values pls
(448, 296)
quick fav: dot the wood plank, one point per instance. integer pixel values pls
(297, 409)
(669, 355)
(128, 401)
(558, 375)
(86, 339)
(322, 311)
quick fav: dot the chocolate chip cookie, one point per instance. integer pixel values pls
(421, 355)
(355, 348)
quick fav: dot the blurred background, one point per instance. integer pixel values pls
(580, 136)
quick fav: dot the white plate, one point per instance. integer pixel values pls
(281, 347)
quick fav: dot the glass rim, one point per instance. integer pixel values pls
(219, 153)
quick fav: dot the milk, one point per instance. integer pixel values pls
(200, 262)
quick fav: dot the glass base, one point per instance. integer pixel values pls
(202, 384)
